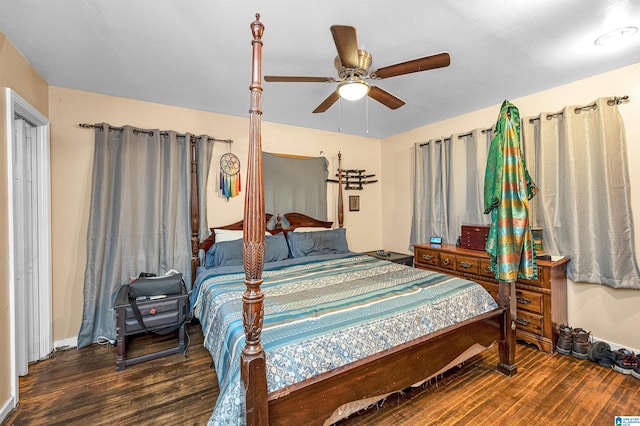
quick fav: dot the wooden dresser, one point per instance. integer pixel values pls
(541, 304)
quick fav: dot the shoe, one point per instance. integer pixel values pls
(598, 350)
(608, 359)
(581, 343)
(626, 361)
(636, 371)
(565, 339)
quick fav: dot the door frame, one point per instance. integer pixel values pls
(16, 105)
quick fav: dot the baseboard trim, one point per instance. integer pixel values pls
(60, 345)
(7, 408)
(615, 346)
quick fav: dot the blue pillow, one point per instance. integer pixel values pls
(229, 253)
(276, 248)
(303, 244)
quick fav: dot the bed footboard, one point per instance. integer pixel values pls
(314, 400)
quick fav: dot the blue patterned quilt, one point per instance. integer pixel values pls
(323, 312)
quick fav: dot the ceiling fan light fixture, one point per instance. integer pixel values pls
(352, 90)
(616, 36)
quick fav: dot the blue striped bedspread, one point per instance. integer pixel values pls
(325, 312)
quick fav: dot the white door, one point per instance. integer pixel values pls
(29, 236)
(25, 231)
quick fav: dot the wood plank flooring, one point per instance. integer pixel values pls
(82, 387)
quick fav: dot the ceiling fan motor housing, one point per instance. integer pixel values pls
(364, 62)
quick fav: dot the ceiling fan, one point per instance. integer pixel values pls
(353, 72)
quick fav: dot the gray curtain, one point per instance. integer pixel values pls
(428, 203)
(293, 184)
(204, 151)
(578, 159)
(448, 186)
(139, 217)
(468, 159)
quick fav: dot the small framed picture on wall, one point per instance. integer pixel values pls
(354, 203)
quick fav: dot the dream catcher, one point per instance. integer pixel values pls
(229, 175)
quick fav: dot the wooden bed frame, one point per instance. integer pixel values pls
(314, 400)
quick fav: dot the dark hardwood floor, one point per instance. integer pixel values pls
(82, 387)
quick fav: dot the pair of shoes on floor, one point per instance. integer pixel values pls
(565, 340)
(621, 360)
(636, 371)
(573, 341)
(626, 362)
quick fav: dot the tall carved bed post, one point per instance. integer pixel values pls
(253, 370)
(195, 240)
(340, 202)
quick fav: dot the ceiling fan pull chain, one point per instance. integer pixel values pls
(366, 103)
(340, 115)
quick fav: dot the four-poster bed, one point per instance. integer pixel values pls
(313, 399)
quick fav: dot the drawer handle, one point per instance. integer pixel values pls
(487, 269)
(427, 256)
(466, 264)
(522, 321)
(446, 261)
(523, 300)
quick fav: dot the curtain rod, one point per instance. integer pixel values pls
(148, 132)
(616, 100)
(489, 129)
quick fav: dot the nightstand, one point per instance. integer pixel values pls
(170, 311)
(403, 259)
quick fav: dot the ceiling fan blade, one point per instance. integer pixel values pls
(296, 79)
(385, 98)
(422, 64)
(326, 104)
(346, 42)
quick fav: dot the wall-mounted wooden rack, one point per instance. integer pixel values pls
(354, 178)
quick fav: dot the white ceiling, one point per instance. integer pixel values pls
(197, 53)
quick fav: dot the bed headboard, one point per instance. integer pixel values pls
(299, 220)
(235, 226)
(296, 220)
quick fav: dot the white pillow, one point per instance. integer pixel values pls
(230, 234)
(227, 235)
(310, 229)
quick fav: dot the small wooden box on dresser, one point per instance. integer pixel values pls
(541, 304)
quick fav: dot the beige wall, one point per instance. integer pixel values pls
(17, 74)
(612, 315)
(71, 162)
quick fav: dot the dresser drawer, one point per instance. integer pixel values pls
(448, 261)
(426, 256)
(485, 269)
(529, 301)
(469, 265)
(537, 283)
(530, 322)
